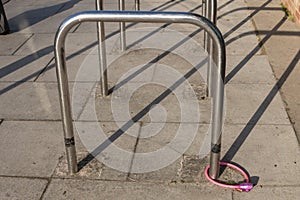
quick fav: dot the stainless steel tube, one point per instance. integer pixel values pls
(102, 52)
(215, 84)
(137, 5)
(143, 16)
(211, 14)
(204, 14)
(122, 27)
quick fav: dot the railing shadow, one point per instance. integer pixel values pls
(138, 116)
(254, 50)
(260, 111)
(31, 17)
(42, 52)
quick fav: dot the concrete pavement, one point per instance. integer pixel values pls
(258, 133)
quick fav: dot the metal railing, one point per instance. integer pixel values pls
(146, 17)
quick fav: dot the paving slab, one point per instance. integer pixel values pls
(45, 25)
(228, 25)
(22, 68)
(37, 101)
(84, 189)
(169, 109)
(30, 148)
(256, 70)
(15, 3)
(282, 47)
(252, 148)
(23, 17)
(256, 103)
(233, 8)
(12, 42)
(21, 188)
(270, 193)
(76, 43)
(169, 174)
(102, 149)
(51, 23)
(38, 44)
(249, 43)
(82, 68)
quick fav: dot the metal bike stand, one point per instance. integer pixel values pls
(141, 16)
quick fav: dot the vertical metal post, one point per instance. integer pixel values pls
(137, 5)
(64, 99)
(102, 52)
(208, 47)
(217, 92)
(4, 28)
(122, 27)
(215, 81)
(204, 14)
(211, 14)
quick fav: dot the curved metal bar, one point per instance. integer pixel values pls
(141, 16)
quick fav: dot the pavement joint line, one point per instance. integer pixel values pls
(16, 81)
(60, 9)
(173, 122)
(45, 189)
(155, 68)
(86, 101)
(232, 194)
(277, 186)
(32, 34)
(25, 177)
(265, 84)
(260, 40)
(76, 28)
(142, 181)
(43, 70)
(5, 2)
(134, 150)
(31, 120)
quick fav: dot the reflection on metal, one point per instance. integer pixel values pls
(146, 17)
(137, 5)
(122, 27)
(102, 51)
(210, 12)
